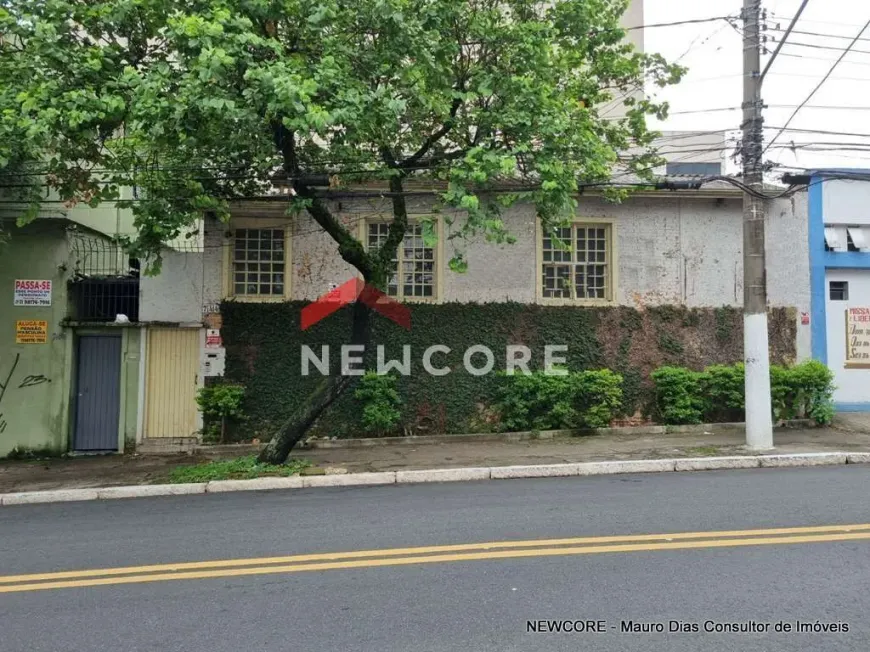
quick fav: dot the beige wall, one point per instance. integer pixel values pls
(666, 250)
(632, 18)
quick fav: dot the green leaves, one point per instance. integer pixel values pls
(380, 402)
(503, 101)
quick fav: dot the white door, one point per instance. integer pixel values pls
(844, 289)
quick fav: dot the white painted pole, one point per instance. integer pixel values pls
(759, 419)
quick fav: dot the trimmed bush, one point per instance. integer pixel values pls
(803, 391)
(380, 403)
(723, 390)
(717, 394)
(220, 403)
(540, 401)
(598, 397)
(679, 395)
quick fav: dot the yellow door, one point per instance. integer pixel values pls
(172, 378)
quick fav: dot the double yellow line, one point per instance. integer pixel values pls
(430, 555)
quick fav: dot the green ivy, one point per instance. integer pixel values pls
(723, 324)
(263, 342)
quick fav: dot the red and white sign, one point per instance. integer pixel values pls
(32, 293)
(213, 338)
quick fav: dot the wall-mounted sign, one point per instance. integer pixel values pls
(32, 293)
(31, 332)
(858, 337)
(213, 363)
(213, 338)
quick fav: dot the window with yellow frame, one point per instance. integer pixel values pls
(415, 267)
(576, 263)
(259, 264)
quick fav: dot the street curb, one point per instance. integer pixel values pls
(513, 437)
(585, 469)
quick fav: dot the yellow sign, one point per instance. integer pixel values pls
(31, 332)
(858, 337)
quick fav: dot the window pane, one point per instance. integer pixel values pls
(584, 270)
(258, 262)
(556, 281)
(839, 290)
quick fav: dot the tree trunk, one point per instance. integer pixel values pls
(327, 391)
(375, 271)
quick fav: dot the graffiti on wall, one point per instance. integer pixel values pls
(7, 380)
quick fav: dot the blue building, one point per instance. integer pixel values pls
(839, 241)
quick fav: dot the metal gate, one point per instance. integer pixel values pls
(172, 380)
(98, 393)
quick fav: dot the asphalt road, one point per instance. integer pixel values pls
(480, 604)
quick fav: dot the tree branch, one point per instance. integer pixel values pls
(398, 226)
(412, 160)
(349, 248)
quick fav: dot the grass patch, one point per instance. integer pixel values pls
(703, 451)
(240, 468)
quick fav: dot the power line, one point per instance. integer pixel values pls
(819, 34)
(822, 22)
(823, 132)
(832, 78)
(828, 59)
(818, 86)
(816, 46)
(784, 38)
(681, 22)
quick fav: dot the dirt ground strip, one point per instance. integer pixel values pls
(115, 470)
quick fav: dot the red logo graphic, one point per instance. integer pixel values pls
(355, 290)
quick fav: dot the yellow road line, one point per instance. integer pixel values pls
(442, 558)
(397, 552)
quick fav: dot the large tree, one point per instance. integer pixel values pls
(200, 102)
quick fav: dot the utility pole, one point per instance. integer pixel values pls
(756, 353)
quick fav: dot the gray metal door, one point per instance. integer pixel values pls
(98, 393)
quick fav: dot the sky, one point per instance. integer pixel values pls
(713, 53)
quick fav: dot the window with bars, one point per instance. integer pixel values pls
(414, 266)
(576, 262)
(259, 263)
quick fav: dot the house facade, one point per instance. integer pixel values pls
(77, 378)
(839, 242)
(68, 373)
(656, 248)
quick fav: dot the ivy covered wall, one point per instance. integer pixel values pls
(264, 342)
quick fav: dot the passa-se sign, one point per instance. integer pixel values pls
(32, 293)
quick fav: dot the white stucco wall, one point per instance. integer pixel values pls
(852, 383)
(846, 202)
(176, 293)
(669, 250)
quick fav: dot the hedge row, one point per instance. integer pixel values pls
(717, 394)
(263, 343)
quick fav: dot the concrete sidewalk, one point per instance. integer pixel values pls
(114, 471)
